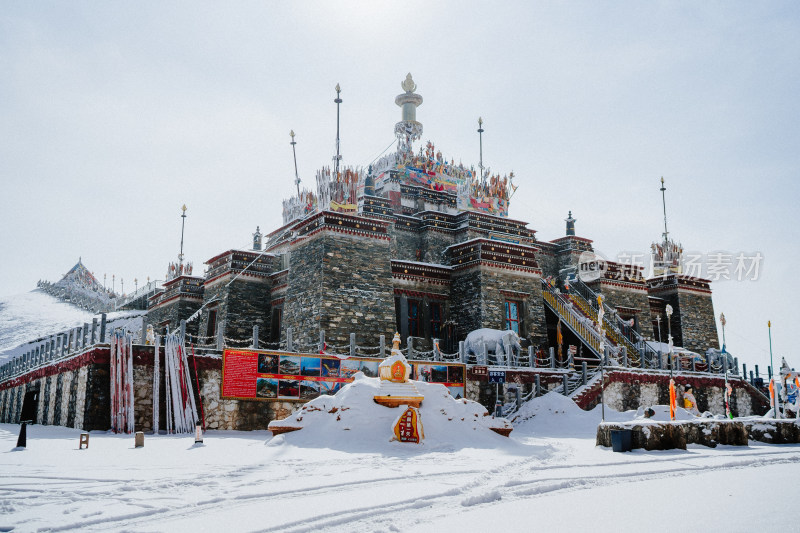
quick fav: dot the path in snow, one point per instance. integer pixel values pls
(239, 481)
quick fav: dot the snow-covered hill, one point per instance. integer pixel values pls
(32, 315)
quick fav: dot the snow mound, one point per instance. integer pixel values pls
(555, 415)
(352, 421)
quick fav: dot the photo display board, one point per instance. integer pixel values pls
(271, 375)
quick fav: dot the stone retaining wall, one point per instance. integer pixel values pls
(670, 435)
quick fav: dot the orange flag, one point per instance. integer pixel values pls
(672, 399)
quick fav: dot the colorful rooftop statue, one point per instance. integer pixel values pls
(484, 192)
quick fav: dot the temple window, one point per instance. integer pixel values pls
(512, 311)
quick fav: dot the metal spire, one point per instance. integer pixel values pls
(294, 153)
(480, 137)
(338, 157)
(183, 224)
(664, 202)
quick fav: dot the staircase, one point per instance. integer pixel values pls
(612, 331)
(577, 322)
(639, 352)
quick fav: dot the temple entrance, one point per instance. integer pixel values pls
(30, 407)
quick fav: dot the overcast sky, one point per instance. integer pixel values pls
(113, 115)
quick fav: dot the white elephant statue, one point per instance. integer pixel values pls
(502, 343)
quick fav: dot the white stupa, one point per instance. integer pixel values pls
(396, 389)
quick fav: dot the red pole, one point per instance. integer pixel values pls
(197, 383)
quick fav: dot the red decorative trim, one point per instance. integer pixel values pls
(259, 276)
(571, 238)
(198, 297)
(419, 294)
(635, 286)
(100, 355)
(515, 294)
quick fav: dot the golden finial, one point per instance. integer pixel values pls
(183, 208)
(338, 89)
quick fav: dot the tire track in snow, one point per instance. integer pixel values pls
(240, 499)
(365, 519)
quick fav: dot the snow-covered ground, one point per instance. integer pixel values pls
(32, 315)
(548, 476)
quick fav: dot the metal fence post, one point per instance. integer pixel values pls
(624, 356)
(183, 329)
(736, 366)
(537, 383)
(85, 335)
(462, 354)
(566, 389)
(744, 370)
(485, 354)
(94, 331)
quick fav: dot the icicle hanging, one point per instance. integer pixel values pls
(181, 406)
(156, 383)
(121, 381)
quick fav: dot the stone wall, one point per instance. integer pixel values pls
(143, 397)
(617, 295)
(405, 243)
(341, 284)
(433, 245)
(171, 313)
(479, 295)
(628, 391)
(61, 399)
(697, 322)
(302, 308)
(242, 304)
(242, 415)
